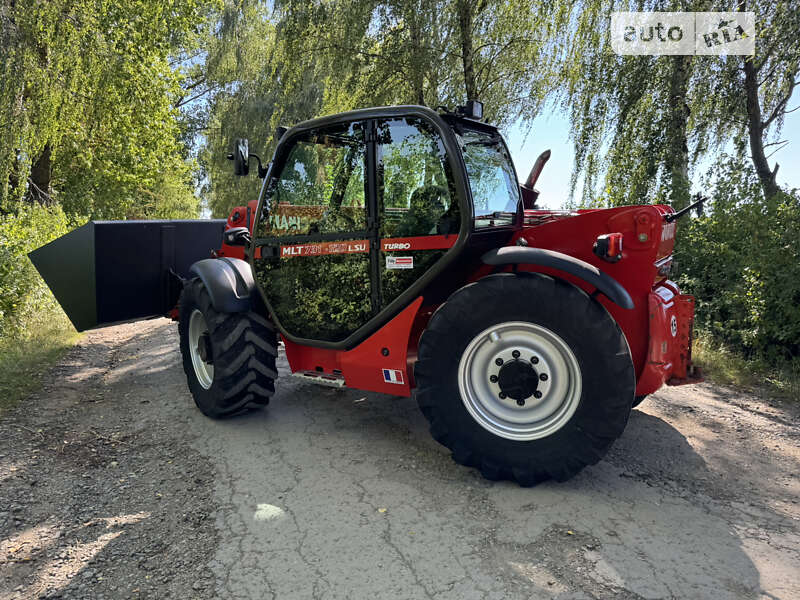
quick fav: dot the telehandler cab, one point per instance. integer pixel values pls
(393, 250)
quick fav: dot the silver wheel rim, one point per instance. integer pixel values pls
(202, 370)
(560, 387)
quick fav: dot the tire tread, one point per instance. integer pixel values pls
(600, 419)
(244, 348)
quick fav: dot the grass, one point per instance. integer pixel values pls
(26, 357)
(724, 366)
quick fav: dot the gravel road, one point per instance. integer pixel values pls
(112, 485)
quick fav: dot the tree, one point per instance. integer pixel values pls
(742, 262)
(87, 100)
(306, 59)
(505, 55)
(641, 122)
(632, 116)
(770, 78)
(745, 98)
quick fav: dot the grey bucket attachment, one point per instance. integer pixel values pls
(112, 271)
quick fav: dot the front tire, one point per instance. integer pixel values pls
(229, 359)
(524, 377)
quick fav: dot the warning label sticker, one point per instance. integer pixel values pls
(399, 262)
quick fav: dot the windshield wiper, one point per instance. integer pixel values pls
(498, 214)
(490, 140)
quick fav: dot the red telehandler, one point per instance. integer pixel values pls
(392, 250)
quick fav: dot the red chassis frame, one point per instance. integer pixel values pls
(658, 329)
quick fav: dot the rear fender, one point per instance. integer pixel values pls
(604, 283)
(229, 282)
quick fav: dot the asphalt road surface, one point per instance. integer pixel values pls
(112, 485)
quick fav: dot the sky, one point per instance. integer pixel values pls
(550, 130)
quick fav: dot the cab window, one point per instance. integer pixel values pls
(495, 191)
(318, 286)
(320, 188)
(416, 200)
(418, 197)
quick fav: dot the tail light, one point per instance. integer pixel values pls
(608, 247)
(663, 268)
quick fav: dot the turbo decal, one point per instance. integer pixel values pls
(323, 248)
(387, 246)
(423, 242)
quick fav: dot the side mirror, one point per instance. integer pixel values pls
(236, 236)
(240, 157)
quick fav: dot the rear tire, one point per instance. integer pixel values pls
(229, 359)
(638, 400)
(502, 334)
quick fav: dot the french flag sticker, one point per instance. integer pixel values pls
(393, 376)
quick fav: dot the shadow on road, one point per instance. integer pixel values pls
(359, 472)
(343, 494)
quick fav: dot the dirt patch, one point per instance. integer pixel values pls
(113, 485)
(102, 494)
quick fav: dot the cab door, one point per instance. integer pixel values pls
(353, 216)
(314, 246)
(419, 212)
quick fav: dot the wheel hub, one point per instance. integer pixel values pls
(518, 379)
(204, 348)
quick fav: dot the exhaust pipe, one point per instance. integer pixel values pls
(529, 194)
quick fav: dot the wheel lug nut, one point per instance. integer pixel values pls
(498, 361)
(493, 378)
(515, 354)
(520, 402)
(535, 360)
(537, 394)
(543, 376)
(502, 395)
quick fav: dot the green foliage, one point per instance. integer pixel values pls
(87, 97)
(34, 331)
(641, 123)
(24, 360)
(299, 291)
(628, 113)
(742, 262)
(25, 301)
(305, 59)
(89, 128)
(722, 364)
